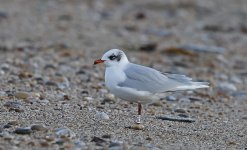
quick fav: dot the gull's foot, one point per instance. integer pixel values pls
(137, 126)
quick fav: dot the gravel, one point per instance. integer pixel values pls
(50, 91)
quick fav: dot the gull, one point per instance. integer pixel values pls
(140, 84)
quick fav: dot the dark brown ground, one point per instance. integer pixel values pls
(47, 48)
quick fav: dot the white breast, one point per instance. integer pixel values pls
(114, 76)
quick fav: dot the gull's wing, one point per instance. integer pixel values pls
(147, 79)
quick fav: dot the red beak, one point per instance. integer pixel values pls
(99, 61)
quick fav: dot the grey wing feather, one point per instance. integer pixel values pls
(147, 79)
(178, 77)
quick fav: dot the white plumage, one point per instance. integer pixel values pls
(136, 83)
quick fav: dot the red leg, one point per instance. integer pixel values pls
(139, 113)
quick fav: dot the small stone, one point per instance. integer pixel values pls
(196, 105)
(177, 118)
(149, 139)
(60, 82)
(6, 136)
(102, 116)
(44, 144)
(14, 106)
(44, 101)
(232, 143)
(38, 127)
(148, 47)
(171, 98)
(226, 87)
(235, 79)
(137, 126)
(79, 145)
(140, 15)
(5, 67)
(220, 113)
(25, 74)
(138, 148)
(66, 97)
(184, 100)
(180, 110)
(7, 126)
(21, 95)
(106, 136)
(159, 32)
(65, 132)
(88, 98)
(109, 98)
(203, 48)
(13, 123)
(50, 138)
(157, 104)
(98, 141)
(183, 115)
(240, 95)
(244, 117)
(115, 144)
(26, 130)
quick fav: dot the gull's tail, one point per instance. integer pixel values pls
(193, 85)
(185, 83)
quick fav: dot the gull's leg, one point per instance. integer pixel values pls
(139, 113)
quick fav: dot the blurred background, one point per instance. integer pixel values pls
(47, 48)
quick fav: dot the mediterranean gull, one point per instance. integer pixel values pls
(140, 84)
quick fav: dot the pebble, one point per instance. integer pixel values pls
(222, 76)
(244, 117)
(137, 126)
(235, 79)
(2, 72)
(44, 102)
(60, 82)
(14, 106)
(240, 95)
(180, 110)
(65, 132)
(88, 98)
(101, 116)
(50, 138)
(203, 48)
(44, 143)
(2, 93)
(5, 67)
(196, 105)
(7, 126)
(21, 95)
(79, 145)
(38, 127)
(148, 47)
(171, 98)
(109, 98)
(26, 130)
(158, 32)
(106, 136)
(184, 100)
(226, 87)
(157, 104)
(98, 140)
(138, 148)
(13, 123)
(177, 118)
(6, 136)
(115, 145)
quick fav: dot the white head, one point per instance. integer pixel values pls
(113, 57)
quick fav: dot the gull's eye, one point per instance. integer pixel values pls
(112, 57)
